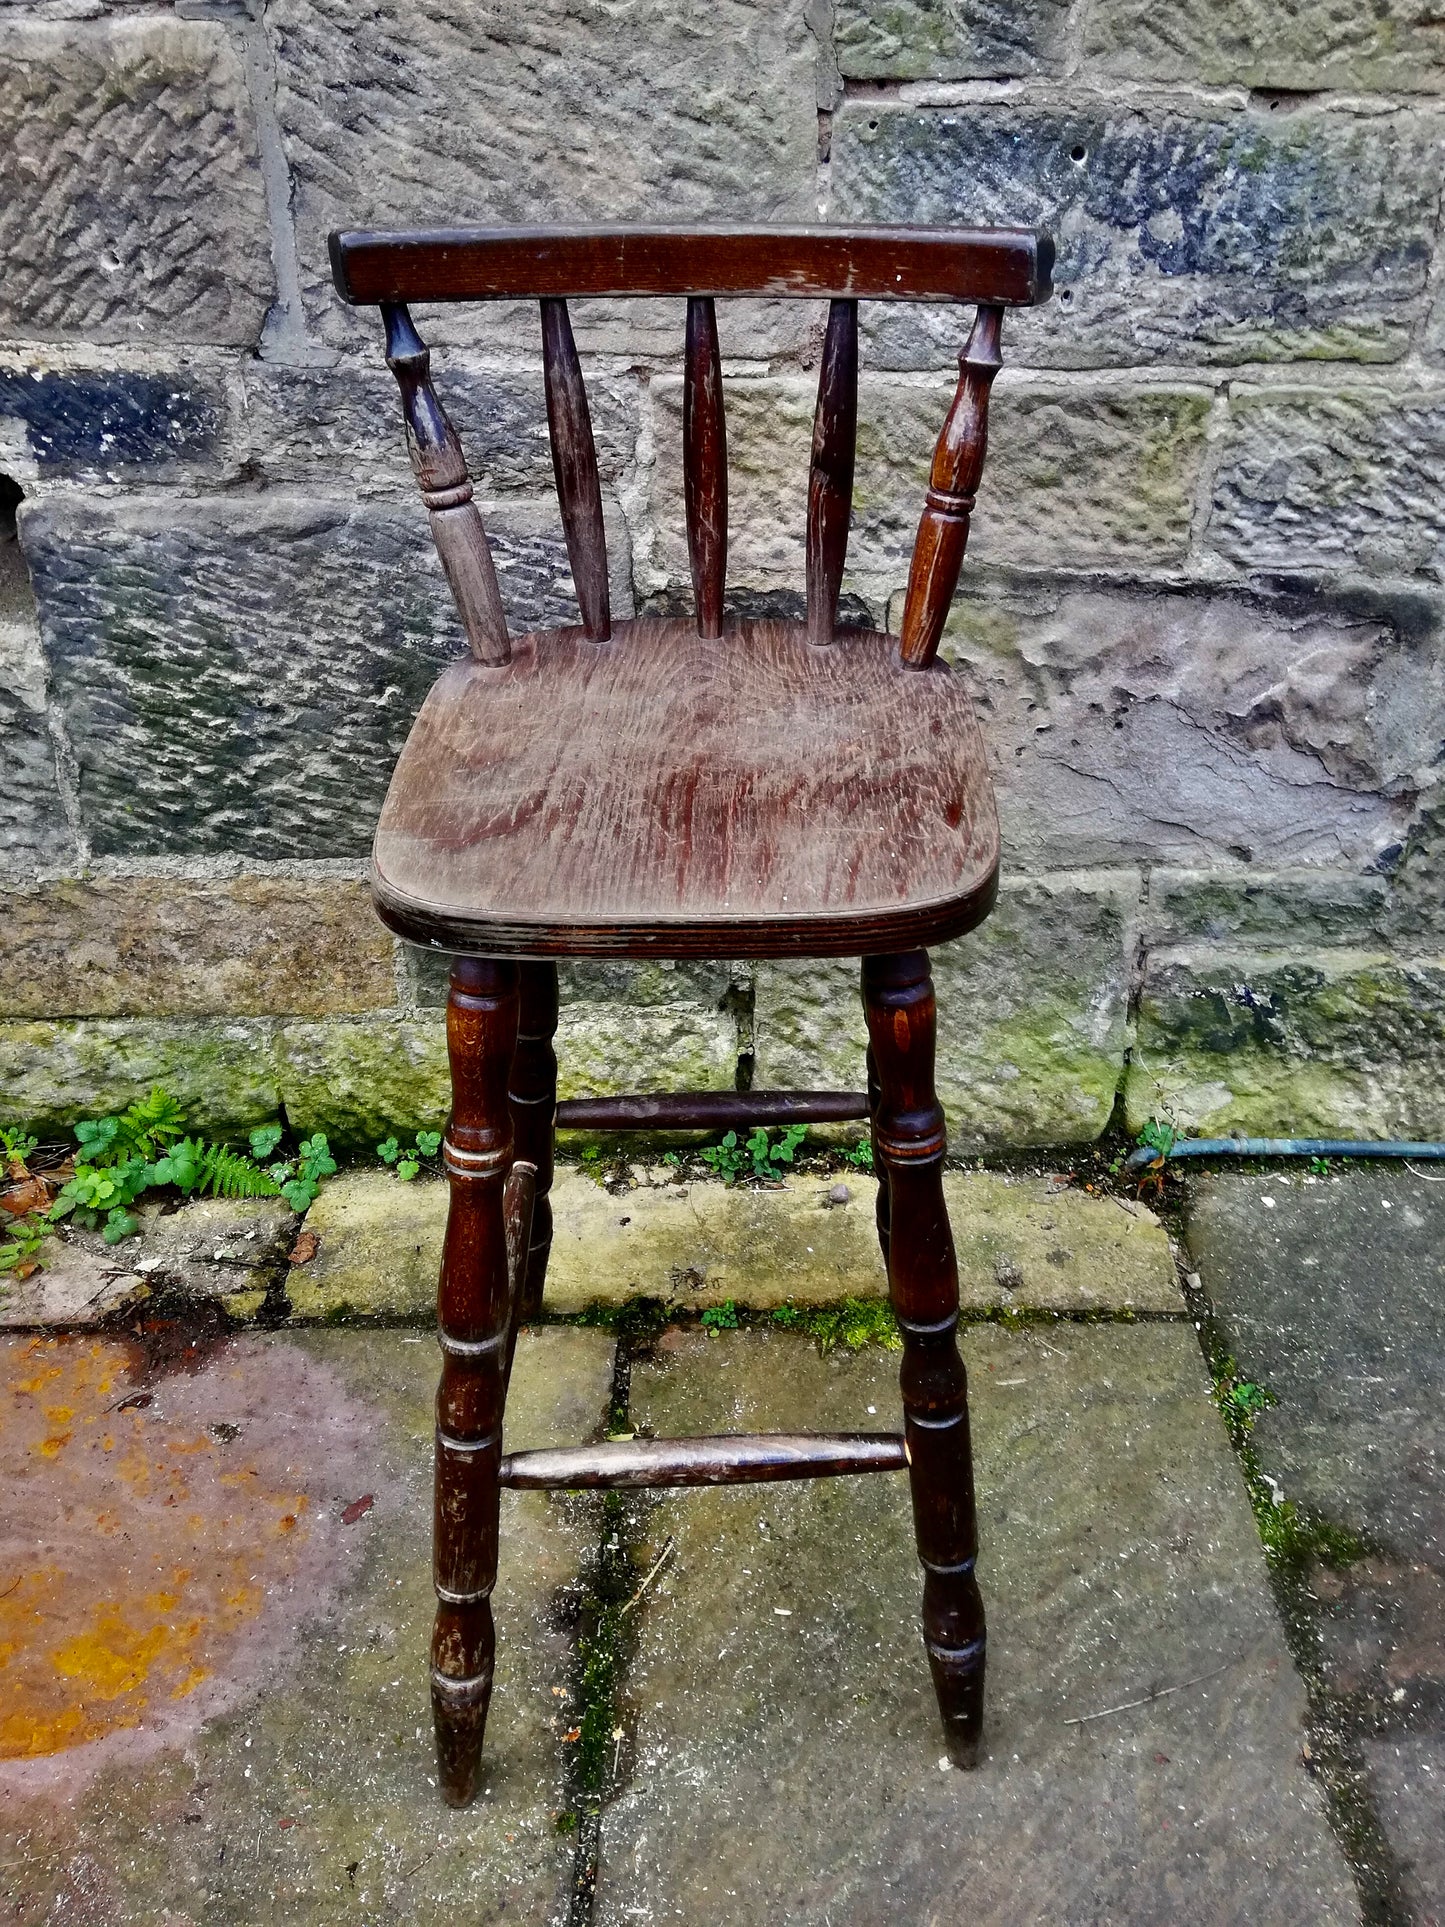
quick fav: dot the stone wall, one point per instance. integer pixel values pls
(1202, 616)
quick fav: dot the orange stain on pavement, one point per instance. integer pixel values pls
(150, 1546)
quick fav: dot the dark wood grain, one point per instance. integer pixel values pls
(574, 462)
(475, 1324)
(952, 484)
(830, 473)
(709, 1110)
(705, 465)
(923, 1287)
(753, 1459)
(650, 797)
(532, 1096)
(1007, 265)
(441, 472)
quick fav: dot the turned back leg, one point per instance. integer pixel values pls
(923, 1286)
(533, 1100)
(475, 1327)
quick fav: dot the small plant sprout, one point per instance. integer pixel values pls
(755, 1157)
(264, 1140)
(861, 1155)
(721, 1318)
(408, 1162)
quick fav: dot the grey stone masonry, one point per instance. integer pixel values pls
(133, 208)
(1201, 617)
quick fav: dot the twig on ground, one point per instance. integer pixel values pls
(1428, 1176)
(1161, 1692)
(657, 1565)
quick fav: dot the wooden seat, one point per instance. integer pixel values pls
(660, 795)
(675, 788)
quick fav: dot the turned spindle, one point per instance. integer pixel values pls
(475, 1328)
(830, 474)
(923, 1287)
(446, 488)
(574, 463)
(952, 484)
(705, 464)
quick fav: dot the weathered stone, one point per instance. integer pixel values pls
(1033, 1014)
(1342, 479)
(1025, 1242)
(1072, 478)
(1146, 725)
(240, 675)
(312, 1786)
(182, 947)
(461, 112)
(133, 207)
(1245, 236)
(782, 1638)
(343, 427)
(1393, 47)
(33, 829)
(1417, 897)
(1272, 909)
(379, 1252)
(591, 981)
(1328, 1291)
(223, 1072)
(937, 39)
(1329, 1043)
(358, 1081)
(1331, 1292)
(98, 424)
(211, 1248)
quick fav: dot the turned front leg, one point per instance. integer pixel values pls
(923, 1286)
(474, 1323)
(880, 1208)
(533, 1099)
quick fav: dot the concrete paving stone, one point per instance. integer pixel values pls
(1022, 1241)
(1331, 1292)
(291, 1779)
(1408, 1772)
(223, 1248)
(783, 1749)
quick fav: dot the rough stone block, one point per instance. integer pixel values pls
(1309, 45)
(177, 947)
(1141, 724)
(1331, 1043)
(238, 676)
(358, 1081)
(458, 114)
(342, 426)
(223, 1073)
(1244, 235)
(1032, 1007)
(100, 424)
(779, 1670)
(940, 39)
(134, 209)
(218, 1248)
(1332, 478)
(1073, 477)
(700, 982)
(1023, 1242)
(1274, 909)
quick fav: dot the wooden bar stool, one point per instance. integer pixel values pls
(681, 788)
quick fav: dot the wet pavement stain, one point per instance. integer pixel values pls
(157, 1541)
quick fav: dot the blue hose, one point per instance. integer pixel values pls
(1283, 1147)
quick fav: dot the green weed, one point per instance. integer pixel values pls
(755, 1156)
(408, 1162)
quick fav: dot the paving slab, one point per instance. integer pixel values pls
(1022, 1241)
(216, 1676)
(785, 1752)
(1330, 1291)
(224, 1248)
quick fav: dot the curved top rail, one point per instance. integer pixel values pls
(1007, 266)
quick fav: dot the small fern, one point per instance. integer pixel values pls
(195, 1167)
